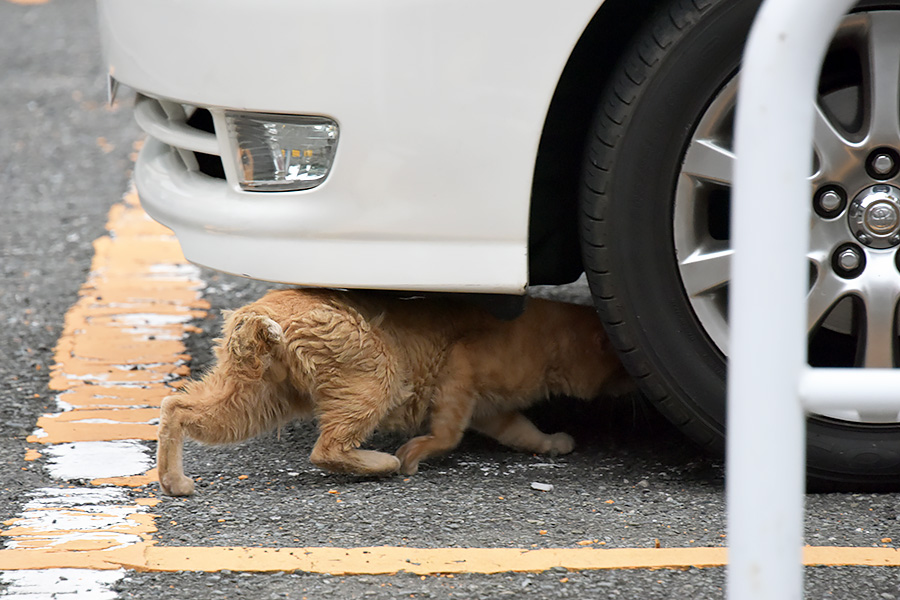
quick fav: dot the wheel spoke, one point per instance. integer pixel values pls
(833, 149)
(841, 151)
(824, 295)
(703, 272)
(709, 161)
(881, 330)
(822, 236)
(884, 77)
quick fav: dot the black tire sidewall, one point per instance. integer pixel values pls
(653, 313)
(644, 168)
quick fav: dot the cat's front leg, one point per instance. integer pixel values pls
(451, 412)
(513, 429)
(450, 416)
(413, 452)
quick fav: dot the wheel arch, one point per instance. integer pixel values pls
(554, 253)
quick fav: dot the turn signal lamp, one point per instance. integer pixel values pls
(280, 153)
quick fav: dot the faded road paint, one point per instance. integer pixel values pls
(79, 519)
(61, 583)
(120, 353)
(121, 344)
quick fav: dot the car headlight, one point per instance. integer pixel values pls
(281, 152)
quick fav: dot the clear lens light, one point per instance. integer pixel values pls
(281, 152)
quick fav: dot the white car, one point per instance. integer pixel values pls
(487, 146)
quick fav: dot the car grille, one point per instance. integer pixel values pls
(188, 130)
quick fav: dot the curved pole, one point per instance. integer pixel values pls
(766, 426)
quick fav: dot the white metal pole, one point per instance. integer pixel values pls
(876, 390)
(770, 236)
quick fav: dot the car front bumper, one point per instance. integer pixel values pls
(440, 104)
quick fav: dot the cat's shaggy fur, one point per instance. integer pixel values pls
(357, 361)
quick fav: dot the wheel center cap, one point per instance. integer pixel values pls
(874, 216)
(881, 217)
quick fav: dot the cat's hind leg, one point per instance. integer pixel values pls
(215, 412)
(174, 411)
(243, 396)
(515, 430)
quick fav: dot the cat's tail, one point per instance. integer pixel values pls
(252, 340)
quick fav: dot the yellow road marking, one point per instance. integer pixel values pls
(60, 432)
(383, 560)
(99, 396)
(147, 478)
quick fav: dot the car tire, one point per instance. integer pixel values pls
(666, 83)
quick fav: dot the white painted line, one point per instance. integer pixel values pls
(61, 584)
(98, 460)
(58, 517)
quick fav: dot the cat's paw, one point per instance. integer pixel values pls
(176, 485)
(378, 463)
(411, 453)
(559, 443)
(358, 462)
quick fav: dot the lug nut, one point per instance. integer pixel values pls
(848, 259)
(882, 164)
(829, 201)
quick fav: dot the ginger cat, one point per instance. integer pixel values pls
(357, 361)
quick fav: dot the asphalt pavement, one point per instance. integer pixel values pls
(632, 482)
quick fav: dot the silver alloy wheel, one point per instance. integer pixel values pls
(855, 190)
